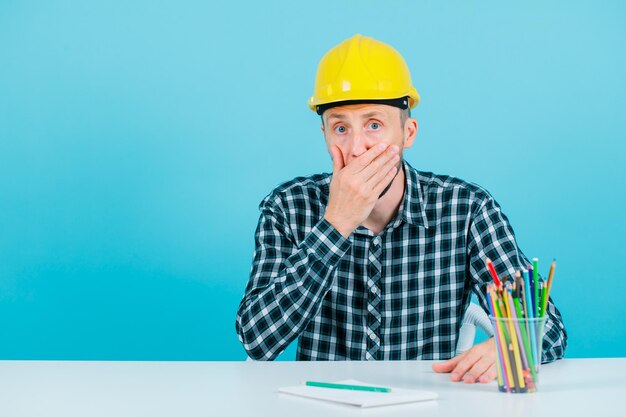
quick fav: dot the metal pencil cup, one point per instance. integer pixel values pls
(518, 346)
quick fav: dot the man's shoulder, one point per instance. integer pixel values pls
(303, 188)
(433, 183)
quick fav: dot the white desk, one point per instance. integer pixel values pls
(571, 387)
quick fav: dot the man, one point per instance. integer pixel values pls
(377, 260)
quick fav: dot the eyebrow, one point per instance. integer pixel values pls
(336, 116)
(374, 113)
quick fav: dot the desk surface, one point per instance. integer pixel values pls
(585, 387)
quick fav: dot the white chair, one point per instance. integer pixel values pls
(475, 316)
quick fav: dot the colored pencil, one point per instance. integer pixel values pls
(525, 342)
(493, 273)
(548, 286)
(346, 386)
(531, 291)
(518, 331)
(517, 361)
(544, 302)
(530, 311)
(500, 373)
(536, 285)
(508, 375)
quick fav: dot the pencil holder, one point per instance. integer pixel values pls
(518, 347)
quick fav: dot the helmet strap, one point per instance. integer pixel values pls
(402, 103)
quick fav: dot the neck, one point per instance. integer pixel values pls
(387, 206)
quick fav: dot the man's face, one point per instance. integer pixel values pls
(357, 127)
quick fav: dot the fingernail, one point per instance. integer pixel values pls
(454, 376)
(394, 149)
(382, 146)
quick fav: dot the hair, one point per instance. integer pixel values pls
(404, 115)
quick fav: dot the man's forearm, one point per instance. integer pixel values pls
(272, 315)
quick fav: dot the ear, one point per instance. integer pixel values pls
(410, 131)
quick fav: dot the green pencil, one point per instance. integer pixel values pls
(346, 386)
(544, 296)
(536, 285)
(529, 356)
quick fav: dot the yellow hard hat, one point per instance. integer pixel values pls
(363, 70)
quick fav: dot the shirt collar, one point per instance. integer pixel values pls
(413, 207)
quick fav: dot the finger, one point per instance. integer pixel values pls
(465, 364)
(489, 375)
(380, 175)
(378, 163)
(363, 160)
(389, 157)
(448, 365)
(385, 180)
(338, 163)
(477, 370)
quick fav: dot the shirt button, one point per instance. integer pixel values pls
(374, 290)
(372, 336)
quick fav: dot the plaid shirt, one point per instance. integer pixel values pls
(400, 294)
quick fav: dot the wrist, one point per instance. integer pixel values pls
(344, 230)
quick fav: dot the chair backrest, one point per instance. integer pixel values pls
(474, 316)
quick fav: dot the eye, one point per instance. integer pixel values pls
(375, 126)
(340, 129)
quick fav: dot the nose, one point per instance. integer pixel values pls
(358, 145)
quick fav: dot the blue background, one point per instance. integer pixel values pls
(138, 137)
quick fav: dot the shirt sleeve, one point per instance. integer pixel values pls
(491, 236)
(287, 282)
